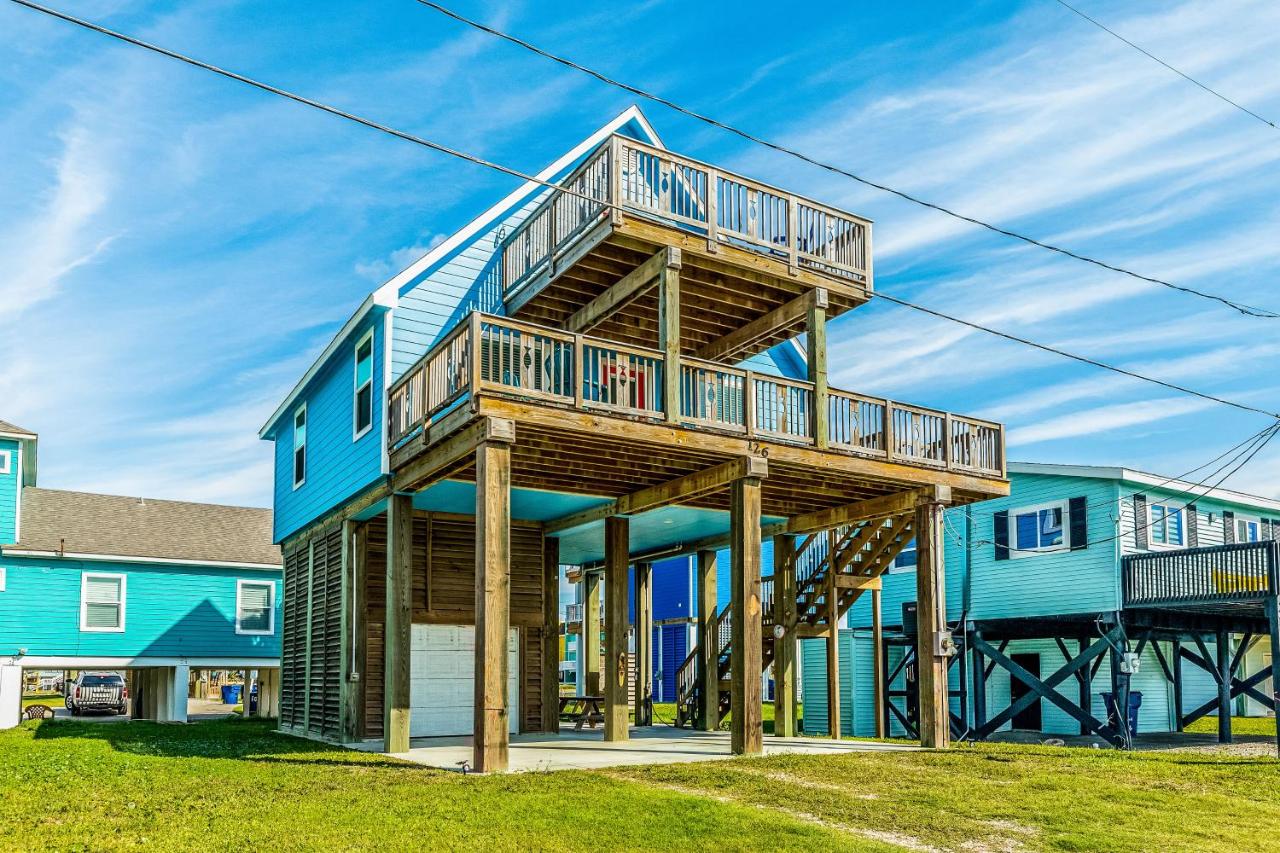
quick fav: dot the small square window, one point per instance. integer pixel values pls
(1166, 524)
(1248, 529)
(1037, 529)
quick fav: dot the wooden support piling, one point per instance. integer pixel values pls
(616, 543)
(931, 663)
(399, 621)
(784, 642)
(1223, 656)
(832, 604)
(591, 652)
(644, 644)
(877, 661)
(708, 644)
(490, 736)
(550, 634)
(747, 728)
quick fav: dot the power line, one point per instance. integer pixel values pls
(1248, 310)
(1155, 58)
(471, 158)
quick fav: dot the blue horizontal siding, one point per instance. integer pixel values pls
(338, 467)
(184, 611)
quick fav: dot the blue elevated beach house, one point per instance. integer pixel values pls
(157, 588)
(600, 375)
(1088, 597)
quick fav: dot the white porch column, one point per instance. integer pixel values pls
(10, 696)
(268, 693)
(179, 677)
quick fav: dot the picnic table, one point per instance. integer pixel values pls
(582, 709)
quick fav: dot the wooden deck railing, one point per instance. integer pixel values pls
(693, 196)
(498, 355)
(1220, 574)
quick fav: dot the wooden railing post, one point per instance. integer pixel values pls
(749, 402)
(475, 355)
(816, 335)
(579, 380)
(669, 333)
(713, 210)
(615, 179)
(793, 236)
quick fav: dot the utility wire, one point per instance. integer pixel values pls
(1155, 58)
(1248, 310)
(480, 161)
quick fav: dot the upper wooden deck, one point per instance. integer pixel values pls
(745, 250)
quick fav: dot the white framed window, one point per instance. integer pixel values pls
(6, 462)
(363, 419)
(255, 607)
(102, 602)
(1248, 528)
(300, 446)
(1038, 529)
(1166, 525)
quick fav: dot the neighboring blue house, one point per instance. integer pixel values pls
(158, 588)
(1091, 580)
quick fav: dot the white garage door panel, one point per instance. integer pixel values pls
(441, 682)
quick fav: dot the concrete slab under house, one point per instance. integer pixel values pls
(157, 590)
(578, 383)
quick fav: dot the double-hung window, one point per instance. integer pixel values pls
(364, 386)
(1166, 524)
(300, 447)
(1038, 529)
(255, 607)
(102, 599)
(1248, 529)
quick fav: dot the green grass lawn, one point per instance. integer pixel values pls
(1265, 726)
(71, 785)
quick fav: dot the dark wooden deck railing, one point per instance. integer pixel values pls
(518, 359)
(1221, 574)
(693, 196)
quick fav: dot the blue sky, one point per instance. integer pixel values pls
(178, 248)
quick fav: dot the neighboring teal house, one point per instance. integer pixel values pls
(1084, 581)
(158, 588)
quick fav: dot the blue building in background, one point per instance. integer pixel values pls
(156, 588)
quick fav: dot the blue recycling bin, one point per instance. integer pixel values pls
(231, 694)
(1135, 702)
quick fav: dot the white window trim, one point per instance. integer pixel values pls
(356, 435)
(293, 452)
(1152, 544)
(3, 577)
(1015, 552)
(6, 461)
(1239, 517)
(271, 608)
(84, 602)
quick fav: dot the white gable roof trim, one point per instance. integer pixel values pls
(388, 294)
(1129, 475)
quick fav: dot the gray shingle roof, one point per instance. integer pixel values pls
(81, 523)
(5, 426)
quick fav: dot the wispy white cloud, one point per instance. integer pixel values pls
(1103, 419)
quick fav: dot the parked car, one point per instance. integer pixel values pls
(98, 691)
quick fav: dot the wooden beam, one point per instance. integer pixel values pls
(784, 647)
(931, 621)
(832, 603)
(674, 491)
(644, 644)
(816, 340)
(727, 348)
(872, 508)
(708, 644)
(747, 726)
(616, 535)
(550, 634)
(440, 459)
(669, 339)
(399, 621)
(627, 289)
(490, 734)
(859, 582)
(592, 680)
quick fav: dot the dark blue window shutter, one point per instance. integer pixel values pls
(1140, 521)
(1193, 525)
(1002, 534)
(1078, 510)
(1229, 528)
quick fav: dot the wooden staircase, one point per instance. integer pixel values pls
(858, 552)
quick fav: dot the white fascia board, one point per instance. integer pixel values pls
(347, 328)
(100, 662)
(392, 288)
(18, 436)
(125, 558)
(1107, 472)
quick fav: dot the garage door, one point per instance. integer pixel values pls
(442, 687)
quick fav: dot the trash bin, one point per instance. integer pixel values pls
(231, 694)
(253, 700)
(1113, 717)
